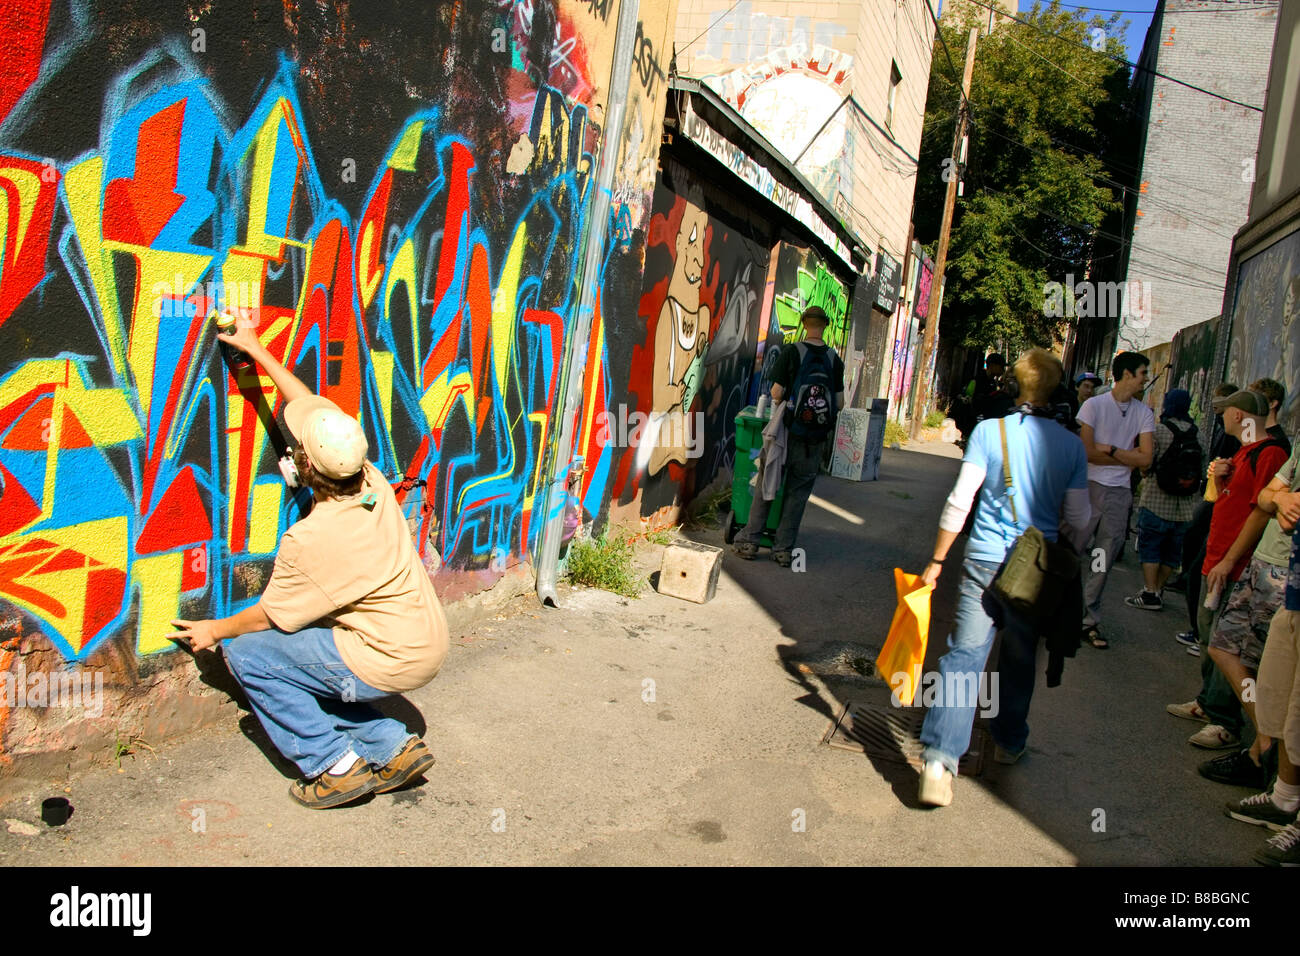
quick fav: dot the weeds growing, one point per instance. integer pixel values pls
(606, 563)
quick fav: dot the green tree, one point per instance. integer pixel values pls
(1051, 138)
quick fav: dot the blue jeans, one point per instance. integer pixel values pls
(310, 703)
(1160, 541)
(948, 721)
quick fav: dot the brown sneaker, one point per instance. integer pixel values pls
(333, 790)
(413, 760)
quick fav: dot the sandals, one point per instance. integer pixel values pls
(1093, 636)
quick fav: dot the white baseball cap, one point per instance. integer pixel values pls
(333, 441)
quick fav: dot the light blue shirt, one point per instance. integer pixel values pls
(1046, 461)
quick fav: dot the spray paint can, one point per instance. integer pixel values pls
(225, 323)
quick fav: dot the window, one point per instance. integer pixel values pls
(895, 78)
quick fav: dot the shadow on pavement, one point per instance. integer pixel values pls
(1107, 774)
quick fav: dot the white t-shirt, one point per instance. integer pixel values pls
(1118, 424)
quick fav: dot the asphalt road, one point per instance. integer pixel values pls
(654, 731)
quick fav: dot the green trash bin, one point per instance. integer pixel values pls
(749, 441)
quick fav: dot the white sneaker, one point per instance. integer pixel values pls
(1188, 711)
(1214, 737)
(935, 789)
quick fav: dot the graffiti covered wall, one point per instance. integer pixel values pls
(1192, 357)
(721, 296)
(396, 197)
(1266, 324)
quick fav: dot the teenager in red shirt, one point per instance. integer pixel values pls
(1235, 529)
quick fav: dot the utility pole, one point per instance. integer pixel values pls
(922, 368)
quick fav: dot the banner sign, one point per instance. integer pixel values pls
(888, 277)
(761, 179)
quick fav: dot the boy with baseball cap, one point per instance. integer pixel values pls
(349, 615)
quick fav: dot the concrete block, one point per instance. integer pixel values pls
(690, 571)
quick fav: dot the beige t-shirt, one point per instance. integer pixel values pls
(354, 568)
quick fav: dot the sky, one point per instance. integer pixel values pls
(1138, 12)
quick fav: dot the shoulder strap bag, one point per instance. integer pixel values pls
(1036, 573)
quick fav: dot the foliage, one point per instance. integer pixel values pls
(935, 419)
(606, 563)
(706, 512)
(1052, 138)
(662, 536)
(895, 434)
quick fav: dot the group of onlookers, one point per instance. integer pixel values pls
(1222, 532)
(1241, 575)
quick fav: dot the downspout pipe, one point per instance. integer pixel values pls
(597, 233)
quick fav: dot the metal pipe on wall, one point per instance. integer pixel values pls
(579, 341)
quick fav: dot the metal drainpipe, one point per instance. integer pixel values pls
(597, 228)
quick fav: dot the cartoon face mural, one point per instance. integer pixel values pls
(409, 276)
(690, 374)
(681, 339)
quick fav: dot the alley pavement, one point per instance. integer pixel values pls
(655, 731)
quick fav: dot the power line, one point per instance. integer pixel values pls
(1131, 111)
(1235, 8)
(1114, 184)
(1099, 232)
(1047, 61)
(1136, 171)
(938, 32)
(722, 16)
(1120, 59)
(1093, 230)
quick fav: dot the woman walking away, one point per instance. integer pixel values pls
(1049, 471)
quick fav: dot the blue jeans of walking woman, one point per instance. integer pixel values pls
(310, 703)
(946, 732)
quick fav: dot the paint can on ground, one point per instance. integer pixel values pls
(55, 811)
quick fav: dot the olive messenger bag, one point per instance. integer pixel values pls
(1033, 578)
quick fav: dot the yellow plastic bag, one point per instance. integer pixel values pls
(903, 655)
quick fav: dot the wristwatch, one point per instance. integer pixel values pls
(1112, 450)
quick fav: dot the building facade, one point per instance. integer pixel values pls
(839, 89)
(1198, 163)
(1262, 297)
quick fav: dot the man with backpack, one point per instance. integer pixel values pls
(1167, 500)
(809, 376)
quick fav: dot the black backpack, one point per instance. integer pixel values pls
(811, 417)
(1271, 442)
(1178, 472)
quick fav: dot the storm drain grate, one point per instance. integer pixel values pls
(893, 733)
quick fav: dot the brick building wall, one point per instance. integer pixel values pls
(1198, 162)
